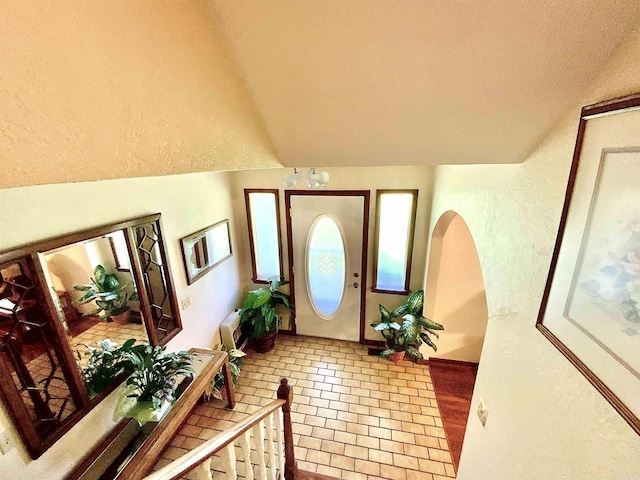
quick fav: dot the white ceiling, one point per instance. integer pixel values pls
(399, 82)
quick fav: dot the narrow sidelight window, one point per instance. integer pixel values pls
(263, 219)
(395, 221)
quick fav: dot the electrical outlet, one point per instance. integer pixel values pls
(186, 303)
(483, 412)
(6, 442)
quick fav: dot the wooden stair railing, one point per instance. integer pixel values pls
(271, 423)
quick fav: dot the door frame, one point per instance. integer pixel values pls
(365, 194)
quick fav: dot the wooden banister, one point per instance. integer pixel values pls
(199, 455)
(285, 393)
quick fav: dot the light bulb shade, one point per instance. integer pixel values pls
(317, 179)
(291, 180)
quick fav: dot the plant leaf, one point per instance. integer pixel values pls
(385, 316)
(262, 296)
(87, 297)
(387, 352)
(414, 353)
(415, 302)
(428, 341)
(387, 334)
(274, 283)
(111, 283)
(283, 297)
(410, 327)
(386, 326)
(429, 324)
(398, 312)
(99, 274)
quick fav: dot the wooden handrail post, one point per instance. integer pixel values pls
(228, 382)
(285, 392)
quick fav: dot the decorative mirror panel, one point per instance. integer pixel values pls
(49, 315)
(34, 367)
(205, 249)
(69, 268)
(153, 271)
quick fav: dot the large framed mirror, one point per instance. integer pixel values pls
(59, 297)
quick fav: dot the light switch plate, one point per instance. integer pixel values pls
(483, 412)
(6, 442)
(186, 303)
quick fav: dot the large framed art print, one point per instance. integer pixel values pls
(591, 304)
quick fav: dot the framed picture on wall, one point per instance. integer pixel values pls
(205, 249)
(591, 304)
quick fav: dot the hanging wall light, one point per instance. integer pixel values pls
(314, 179)
(290, 181)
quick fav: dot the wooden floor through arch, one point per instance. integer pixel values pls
(453, 383)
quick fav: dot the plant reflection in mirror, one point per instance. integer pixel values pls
(110, 296)
(104, 364)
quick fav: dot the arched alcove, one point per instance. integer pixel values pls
(455, 293)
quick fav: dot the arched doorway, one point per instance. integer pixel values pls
(455, 293)
(455, 297)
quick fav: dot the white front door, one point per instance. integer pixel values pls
(327, 241)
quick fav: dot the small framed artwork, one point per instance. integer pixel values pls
(591, 304)
(205, 249)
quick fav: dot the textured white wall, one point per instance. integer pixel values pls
(545, 419)
(188, 203)
(98, 90)
(370, 178)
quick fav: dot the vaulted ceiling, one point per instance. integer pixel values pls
(393, 82)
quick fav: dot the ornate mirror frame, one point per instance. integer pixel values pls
(44, 393)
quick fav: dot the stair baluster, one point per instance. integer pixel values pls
(275, 417)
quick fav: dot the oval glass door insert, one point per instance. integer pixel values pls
(326, 266)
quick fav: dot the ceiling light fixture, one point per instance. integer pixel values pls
(314, 179)
(290, 181)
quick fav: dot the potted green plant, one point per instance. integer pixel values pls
(406, 337)
(104, 364)
(215, 387)
(111, 298)
(259, 313)
(152, 385)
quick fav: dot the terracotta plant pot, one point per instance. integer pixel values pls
(123, 318)
(396, 357)
(266, 343)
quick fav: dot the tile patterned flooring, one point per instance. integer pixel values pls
(111, 330)
(354, 416)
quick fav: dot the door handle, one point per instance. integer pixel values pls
(356, 285)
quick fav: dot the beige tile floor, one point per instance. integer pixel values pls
(354, 416)
(111, 330)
